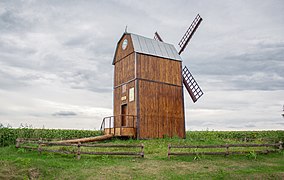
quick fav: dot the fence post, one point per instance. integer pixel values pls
(79, 152)
(39, 148)
(18, 143)
(280, 145)
(169, 151)
(227, 150)
(142, 150)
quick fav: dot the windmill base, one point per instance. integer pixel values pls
(121, 131)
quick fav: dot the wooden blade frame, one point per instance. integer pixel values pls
(158, 37)
(191, 85)
(189, 33)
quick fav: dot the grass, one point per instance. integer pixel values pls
(23, 164)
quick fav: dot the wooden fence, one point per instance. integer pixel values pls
(40, 147)
(276, 146)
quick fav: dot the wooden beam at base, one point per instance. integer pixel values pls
(89, 139)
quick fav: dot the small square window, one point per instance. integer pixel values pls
(131, 94)
(123, 89)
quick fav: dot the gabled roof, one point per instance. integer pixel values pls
(152, 47)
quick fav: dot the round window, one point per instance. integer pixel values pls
(124, 44)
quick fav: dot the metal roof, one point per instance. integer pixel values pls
(153, 47)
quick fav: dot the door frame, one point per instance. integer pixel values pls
(123, 112)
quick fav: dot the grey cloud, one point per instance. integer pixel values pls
(261, 69)
(11, 21)
(282, 124)
(96, 81)
(259, 60)
(78, 41)
(64, 113)
(234, 127)
(8, 81)
(250, 126)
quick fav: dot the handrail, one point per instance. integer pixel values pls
(112, 123)
(120, 115)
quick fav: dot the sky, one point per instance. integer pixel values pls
(56, 60)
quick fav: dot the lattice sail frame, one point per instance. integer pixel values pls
(157, 37)
(189, 33)
(191, 85)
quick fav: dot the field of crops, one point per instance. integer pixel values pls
(8, 136)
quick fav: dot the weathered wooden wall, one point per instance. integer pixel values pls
(118, 102)
(159, 69)
(124, 71)
(160, 97)
(158, 81)
(161, 110)
(120, 53)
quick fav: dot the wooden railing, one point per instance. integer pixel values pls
(115, 122)
(276, 146)
(42, 146)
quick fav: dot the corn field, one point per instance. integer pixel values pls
(8, 136)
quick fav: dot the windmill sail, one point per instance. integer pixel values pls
(191, 85)
(189, 33)
(157, 37)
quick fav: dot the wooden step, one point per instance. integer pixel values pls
(121, 131)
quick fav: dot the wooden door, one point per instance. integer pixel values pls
(123, 113)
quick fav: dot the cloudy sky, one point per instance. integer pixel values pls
(56, 72)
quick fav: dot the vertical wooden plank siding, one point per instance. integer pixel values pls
(120, 53)
(157, 84)
(124, 70)
(161, 111)
(159, 69)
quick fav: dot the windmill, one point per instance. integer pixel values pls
(148, 99)
(189, 82)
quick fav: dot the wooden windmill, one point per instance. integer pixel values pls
(148, 87)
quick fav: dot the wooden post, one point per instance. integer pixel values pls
(79, 152)
(110, 125)
(227, 150)
(39, 148)
(169, 151)
(142, 150)
(280, 145)
(18, 143)
(267, 150)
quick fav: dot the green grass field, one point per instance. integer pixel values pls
(24, 164)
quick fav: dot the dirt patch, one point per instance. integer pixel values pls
(34, 173)
(10, 171)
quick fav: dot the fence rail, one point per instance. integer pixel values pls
(40, 144)
(277, 146)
